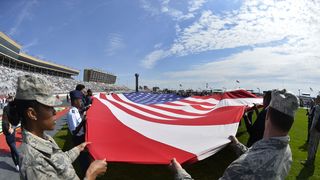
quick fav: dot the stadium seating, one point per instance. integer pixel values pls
(8, 81)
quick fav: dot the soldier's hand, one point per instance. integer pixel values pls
(83, 145)
(175, 165)
(234, 140)
(97, 167)
(10, 130)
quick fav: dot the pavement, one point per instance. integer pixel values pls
(7, 168)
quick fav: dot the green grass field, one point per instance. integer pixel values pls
(214, 166)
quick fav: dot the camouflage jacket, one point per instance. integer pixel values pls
(315, 119)
(43, 159)
(266, 159)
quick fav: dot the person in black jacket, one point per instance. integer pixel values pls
(256, 129)
(9, 132)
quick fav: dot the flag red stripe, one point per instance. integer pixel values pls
(121, 144)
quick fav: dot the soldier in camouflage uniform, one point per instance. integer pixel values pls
(269, 158)
(41, 158)
(314, 135)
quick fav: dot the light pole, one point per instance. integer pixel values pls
(137, 81)
(238, 82)
(259, 90)
(224, 89)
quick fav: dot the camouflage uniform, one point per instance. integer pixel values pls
(314, 136)
(43, 159)
(266, 159)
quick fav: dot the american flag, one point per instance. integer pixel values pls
(153, 128)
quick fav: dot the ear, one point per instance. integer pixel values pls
(31, 114)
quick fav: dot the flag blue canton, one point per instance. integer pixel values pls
(150, 98)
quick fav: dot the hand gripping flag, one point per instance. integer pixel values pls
(151, 128)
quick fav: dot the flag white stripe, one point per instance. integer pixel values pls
(184, 108)
(209, 100)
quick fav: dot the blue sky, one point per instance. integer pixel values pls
(263, 44)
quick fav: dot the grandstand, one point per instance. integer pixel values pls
(14, 63)
(94, 75)
(9, 77)
(12, 57)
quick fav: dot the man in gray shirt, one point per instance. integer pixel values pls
(269, 158)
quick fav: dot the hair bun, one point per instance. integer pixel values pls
(12, 113)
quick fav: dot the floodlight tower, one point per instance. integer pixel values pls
(137, 81)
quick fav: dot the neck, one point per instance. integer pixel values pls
(272, 132)
(36, 131)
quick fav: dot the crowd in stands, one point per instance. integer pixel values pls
(8, 82)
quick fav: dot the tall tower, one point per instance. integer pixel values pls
(137, 81)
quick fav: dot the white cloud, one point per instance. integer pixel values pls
(24, 13)
(283, 37)
(195, 5)
(248, 26)
(147, 6)
(256, 23)
(150, 60)
(176, 14)
(115, 43)
(26, 47)
(157, 46)
(165, 7)
(261, 67)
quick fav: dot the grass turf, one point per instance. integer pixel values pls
(214, 166)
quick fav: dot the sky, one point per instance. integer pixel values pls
(200, 44)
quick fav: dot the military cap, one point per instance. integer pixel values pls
(284, 101)
(75, 94)
(35, 88)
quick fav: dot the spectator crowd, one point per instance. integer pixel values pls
(9, 77)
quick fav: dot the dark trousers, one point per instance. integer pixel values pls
(11, 141)
(309, 127)
(84, 155)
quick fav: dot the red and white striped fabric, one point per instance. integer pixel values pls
(189, 129)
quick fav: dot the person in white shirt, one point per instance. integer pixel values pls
(76, 124)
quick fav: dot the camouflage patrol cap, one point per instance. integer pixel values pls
(35, 88)
(284, 101)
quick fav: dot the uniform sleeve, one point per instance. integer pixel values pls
(240, 149)
(72, 119)
(315, 118)
(235, 171)
(36, 172)
(5, 124)
(182, 175)
(73, 153)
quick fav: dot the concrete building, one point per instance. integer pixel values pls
(93, 75)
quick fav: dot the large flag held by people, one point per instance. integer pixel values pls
(151, 128)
